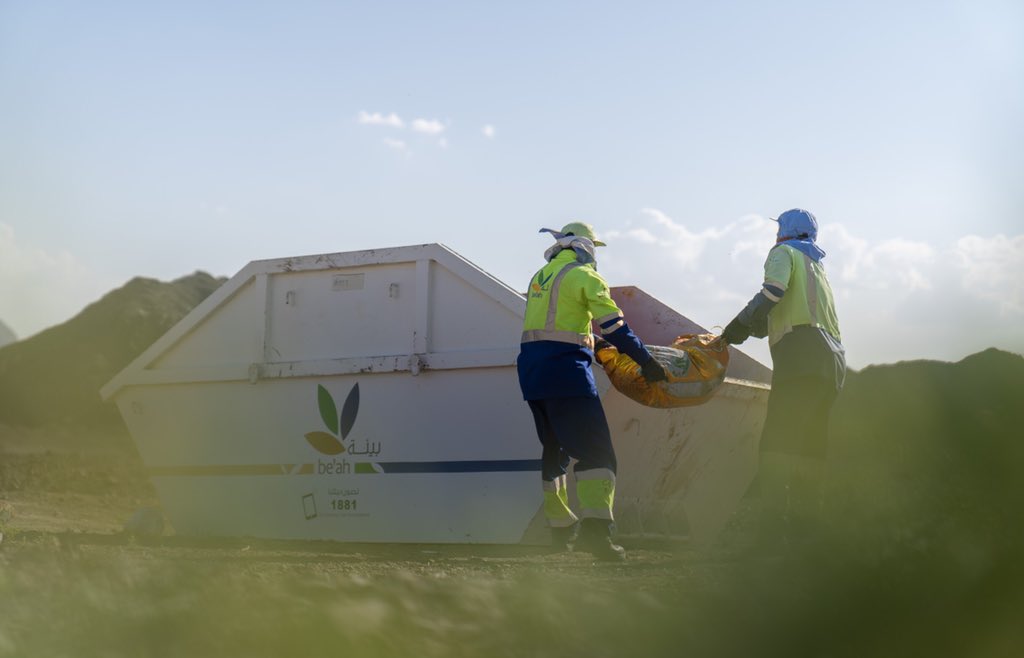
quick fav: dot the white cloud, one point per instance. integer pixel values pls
(897, 298)
(488, 131)
(893, 265)
(993, 269)
(40, 288)
(641, 235)
(428, 126)
(844, 246)
(684, 245)
(378, 119)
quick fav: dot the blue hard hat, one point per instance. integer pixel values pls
(797, 223)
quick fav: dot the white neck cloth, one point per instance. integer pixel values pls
(583, 247)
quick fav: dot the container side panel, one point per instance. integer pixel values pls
(442, 456)
(682, 471)
(465, 318)
(340, 313)
(230, 335)
(461, 508)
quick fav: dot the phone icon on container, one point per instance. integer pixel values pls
(309, 506)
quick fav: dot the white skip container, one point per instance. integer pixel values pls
(372, 396)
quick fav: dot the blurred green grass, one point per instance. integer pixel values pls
(61, 596)
(67, 599)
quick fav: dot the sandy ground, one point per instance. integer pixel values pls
(65, 482)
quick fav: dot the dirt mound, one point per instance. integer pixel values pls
(7, 335)
(54, 377)
(925, 446)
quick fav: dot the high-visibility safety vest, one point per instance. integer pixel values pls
(807, 298)
(563, 298)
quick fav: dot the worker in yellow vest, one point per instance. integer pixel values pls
(796, 311)
(563, 300)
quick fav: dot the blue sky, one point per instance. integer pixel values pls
(155, 139)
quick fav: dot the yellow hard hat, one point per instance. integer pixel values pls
(583, 230)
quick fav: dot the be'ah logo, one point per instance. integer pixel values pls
(339, 425)
(541, 281)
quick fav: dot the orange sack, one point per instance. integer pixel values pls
(695, 371)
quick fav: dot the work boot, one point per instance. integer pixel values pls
(595, 537)
(562, 538)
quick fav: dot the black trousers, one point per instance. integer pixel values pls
(807, 376)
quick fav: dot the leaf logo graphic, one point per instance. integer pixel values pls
(329, 443)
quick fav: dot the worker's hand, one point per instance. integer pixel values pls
(601, 343)
(735, 333)
(653, 371)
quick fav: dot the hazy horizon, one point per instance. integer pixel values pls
(156, 140)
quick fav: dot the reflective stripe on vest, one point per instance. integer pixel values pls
(812, 292)
(549, 332)
(619, 321)
(532, 335)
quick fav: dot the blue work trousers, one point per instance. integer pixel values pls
(572, 428)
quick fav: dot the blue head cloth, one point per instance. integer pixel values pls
(799, 229)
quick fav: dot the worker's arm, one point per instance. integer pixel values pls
(608, 317)
(753, 319)
(613, 327)
(625, 341)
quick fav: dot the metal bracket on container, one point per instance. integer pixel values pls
(415, 364)
(254, 373)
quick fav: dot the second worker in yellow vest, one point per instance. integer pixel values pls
(796, 311)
